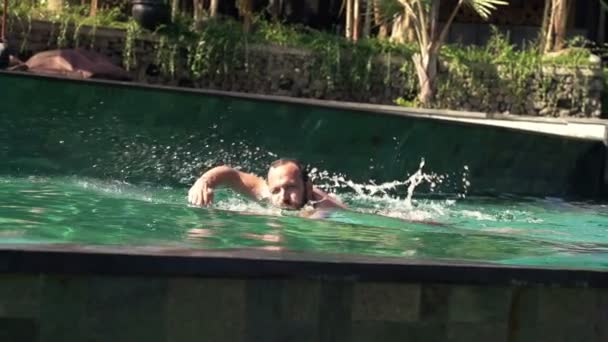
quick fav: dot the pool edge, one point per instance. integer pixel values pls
(591, 129)
(169, 261)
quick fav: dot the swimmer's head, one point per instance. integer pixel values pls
(288, 184)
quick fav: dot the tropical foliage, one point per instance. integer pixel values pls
(373, 29)
(423, 17)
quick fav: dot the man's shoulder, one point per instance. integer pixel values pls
(262, 191)
(322, 200)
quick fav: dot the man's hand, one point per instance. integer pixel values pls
(201, 193)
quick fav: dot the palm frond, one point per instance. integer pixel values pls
(390, 8)
(485, 7)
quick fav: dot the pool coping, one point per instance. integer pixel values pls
(170, 261)
(576, 128)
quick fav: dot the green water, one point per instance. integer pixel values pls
(518, 231)
(110, 165)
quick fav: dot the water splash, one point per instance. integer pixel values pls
(415, 180)
(336, 183)
(180, 159)
(395, 198)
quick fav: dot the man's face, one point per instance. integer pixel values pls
(287, 189)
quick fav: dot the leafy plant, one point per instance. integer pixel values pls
(216, 49)
(129, 56)
(423, 16)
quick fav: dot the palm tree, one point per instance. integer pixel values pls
(424, 18)
(355, 28)
(555, 22)
(245, 8)
(349, 19)
(367, 21)
(356, 21)
(383, 26)
(213, 8)
(93, 9)
(198, 10)
(174, 9)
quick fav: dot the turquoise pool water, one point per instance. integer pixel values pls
(111, 165)
(504, 230)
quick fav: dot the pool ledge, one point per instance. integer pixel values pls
(575, 128)
(171, 261)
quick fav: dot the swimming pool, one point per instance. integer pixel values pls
(93, 198)
(510, 230)
(94, 164)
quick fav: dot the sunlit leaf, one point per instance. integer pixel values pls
(484, 8)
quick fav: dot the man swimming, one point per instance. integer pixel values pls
(287, 187)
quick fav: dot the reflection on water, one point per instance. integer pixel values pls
(514, 230)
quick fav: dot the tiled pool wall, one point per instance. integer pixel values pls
(53, 307)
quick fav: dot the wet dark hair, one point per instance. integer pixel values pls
(303, 173)
(297, 163)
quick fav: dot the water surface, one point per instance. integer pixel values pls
(505, 230)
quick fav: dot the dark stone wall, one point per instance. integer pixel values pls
(40, 308)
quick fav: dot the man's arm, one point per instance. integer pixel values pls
(201, 193)
(325, 201)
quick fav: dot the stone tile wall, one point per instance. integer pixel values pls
(97, 308)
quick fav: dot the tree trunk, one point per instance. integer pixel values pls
(174, 9)
(555, 24)
(561, 24)
(197, 8)
(550, 29)
(383, 30)
(3, 47)
(55, 5)
(397, 32)
(546, 25)
(246, 12)
(409, 32)
(367, 24)
(349, 19)
(434, 20)
(426, 70)
(274, 6)
(356, 21)
(93, 9)
(213, 8)
(402, 31)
